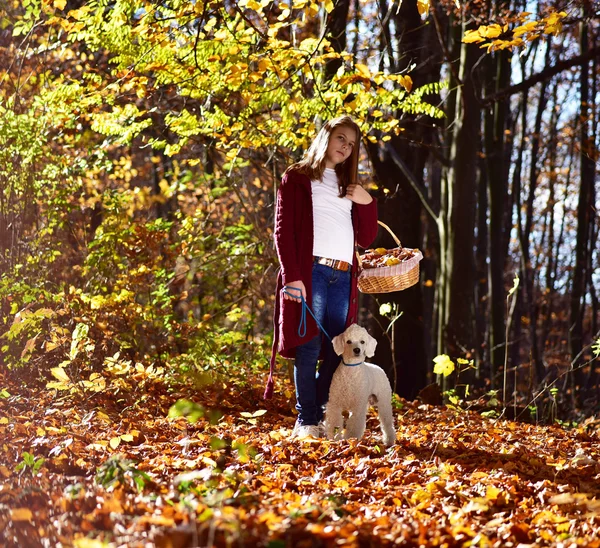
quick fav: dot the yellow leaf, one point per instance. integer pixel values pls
(472, 36)
(524, 29)
(363, 70)
(491, 31)
(443, 365)
(492, 493)
(59, 374)
(21, 514)
(423, 6)
(88, 543)
(250, 4)
(127, 437)
(60, 4)
(3, 420)
(329, 6)
(206, 460)
(114, 442)
(407, 83)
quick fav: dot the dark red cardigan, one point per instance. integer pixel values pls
(294, 242)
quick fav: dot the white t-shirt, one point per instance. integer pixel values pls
(332, 219)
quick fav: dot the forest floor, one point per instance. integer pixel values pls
(112, 469)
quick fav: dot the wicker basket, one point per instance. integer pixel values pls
(386, 279)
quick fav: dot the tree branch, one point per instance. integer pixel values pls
(545, 74)
(414, 183)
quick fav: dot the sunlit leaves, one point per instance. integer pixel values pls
(251, 417)
(79, 339)
(496, 37)
(596, 348)
(553, 23)
(239, 475)
(121, 122)
(21, 514)
(236, 82)
(423, 6)
(61, 376)
(116, 440)
(443, 365)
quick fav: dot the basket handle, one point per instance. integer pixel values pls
(396, 239)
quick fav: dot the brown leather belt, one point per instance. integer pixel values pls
(334, 263)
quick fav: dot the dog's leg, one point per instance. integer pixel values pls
(386, 420)
(357, 422)
(334, 420)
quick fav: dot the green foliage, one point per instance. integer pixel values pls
(170, 272)
(247, 87)
(30, 463)
(188, 409)
(118, 470)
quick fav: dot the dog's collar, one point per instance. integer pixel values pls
(352, 364)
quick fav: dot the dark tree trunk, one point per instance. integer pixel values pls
(585, 214)
(527, 272)
(336, 24)
(497, 166)
(460, 329)
(401, 209)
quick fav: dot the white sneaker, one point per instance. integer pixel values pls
(302, 431)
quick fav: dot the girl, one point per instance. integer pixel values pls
(322, 213)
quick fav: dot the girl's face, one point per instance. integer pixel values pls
(341, 143)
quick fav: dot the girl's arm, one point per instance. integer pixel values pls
(366, 217)
(285, 237)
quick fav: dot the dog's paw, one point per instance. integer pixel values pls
(389, 440)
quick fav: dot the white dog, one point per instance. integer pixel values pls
(357, 384)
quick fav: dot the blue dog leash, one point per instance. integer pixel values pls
(305, 307)
(302, 325)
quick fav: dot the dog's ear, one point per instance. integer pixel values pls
(338, 344)
(370, 346)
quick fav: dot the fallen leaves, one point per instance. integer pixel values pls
(452, 477)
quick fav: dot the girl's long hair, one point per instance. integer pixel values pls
(313, 163)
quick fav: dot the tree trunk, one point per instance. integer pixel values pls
(462, 179)
(497, 164)
(553, 250)
(527, 273)
(585, 214)
(401, 209)
(336, 24)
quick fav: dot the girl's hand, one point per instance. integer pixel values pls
(358, 194)
(295, 289)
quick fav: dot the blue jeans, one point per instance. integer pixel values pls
(330, 302)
